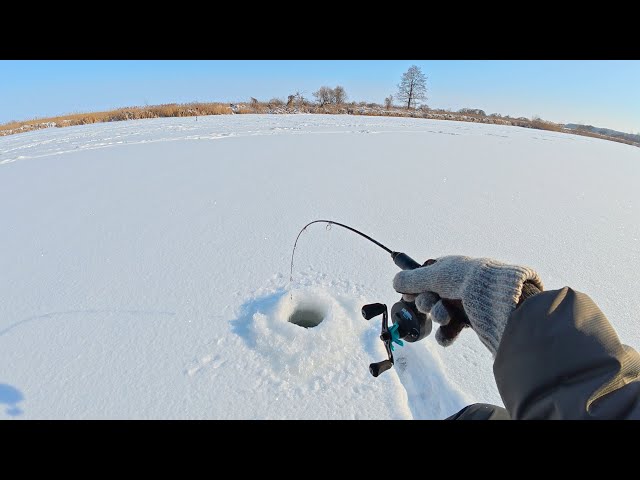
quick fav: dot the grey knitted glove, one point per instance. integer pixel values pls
(488, 291)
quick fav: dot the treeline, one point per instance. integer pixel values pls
(411, 93)
(298, 103)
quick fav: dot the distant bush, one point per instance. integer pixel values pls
(323, 95)
(388, 102)
(296, 100)
(330, 96)
(537, 122)
(126, 113)
(472, 111)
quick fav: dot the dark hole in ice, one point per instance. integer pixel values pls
(307, 316)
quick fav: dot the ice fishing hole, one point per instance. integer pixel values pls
(307, 316)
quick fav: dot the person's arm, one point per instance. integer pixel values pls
(560, 358)
(556, 354)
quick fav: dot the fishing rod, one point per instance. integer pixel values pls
(402, 260)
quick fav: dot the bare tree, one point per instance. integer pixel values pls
(339, 95)
(388, 102)
(324, 95)
(412, 87)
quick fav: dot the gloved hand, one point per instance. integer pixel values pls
(457, 291)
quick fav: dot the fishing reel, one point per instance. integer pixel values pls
(408, 325)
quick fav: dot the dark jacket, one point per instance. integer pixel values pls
(560, 358)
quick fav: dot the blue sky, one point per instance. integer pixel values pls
(602, 93)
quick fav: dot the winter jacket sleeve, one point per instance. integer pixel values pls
(560, 358)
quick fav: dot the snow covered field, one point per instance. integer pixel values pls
(144, 268)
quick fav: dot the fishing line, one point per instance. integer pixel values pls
(329, 224)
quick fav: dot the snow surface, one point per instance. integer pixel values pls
(145, 264)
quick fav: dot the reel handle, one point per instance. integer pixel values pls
(379, 367)
(373, 310)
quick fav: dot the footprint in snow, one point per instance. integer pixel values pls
(208, 360)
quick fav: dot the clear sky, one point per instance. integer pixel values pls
(601, 93)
